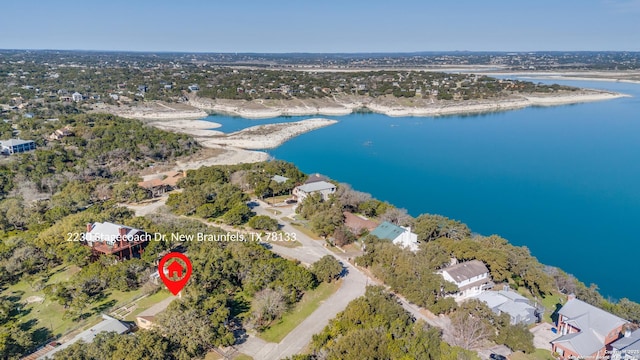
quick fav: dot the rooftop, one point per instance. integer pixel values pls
(631, 342)
(466, 270)
(388, 231)
(14, 142)
(316, 186)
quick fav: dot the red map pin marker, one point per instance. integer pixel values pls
(176, 273)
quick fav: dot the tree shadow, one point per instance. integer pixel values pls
(554, 314)
(238, 307)
(104, 306)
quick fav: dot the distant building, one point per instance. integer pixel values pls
(508, 302)
(325, 189)
(316, 178)
(108, 324)
(279, 179)
(398, 235)
(60, 133)
(142, 89)
(15, 146)
(586, 331)
(76, 96)
(471, 277)
(628, 347)
(163, 183)
(194, 87)
(113, 239)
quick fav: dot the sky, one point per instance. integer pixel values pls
(278, 26)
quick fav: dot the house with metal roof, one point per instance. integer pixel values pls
(398, 235)
(471, 277)
(325, 189)
(15, 146)
(511, 303)
(628, 347)
(108, 324)
(586, 331)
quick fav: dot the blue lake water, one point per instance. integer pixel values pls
(563, 181)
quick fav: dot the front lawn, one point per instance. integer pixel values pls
(309, 303)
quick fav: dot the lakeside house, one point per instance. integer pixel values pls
(471, 277)
(325, 189)
(165, 182)
(108, 324)
(511, 303)
(15, 146)
(627, 347)
(114, 239)
(398, 235)
(586, 331)
(279, 179)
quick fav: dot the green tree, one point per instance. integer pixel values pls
(327, 269)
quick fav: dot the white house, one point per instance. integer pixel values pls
(471, 277)
(508, 302)
(398, 235)
(76, 96)
(322, 187)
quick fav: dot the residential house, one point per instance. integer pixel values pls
(76, 96)
(508, 302)
(108, 324)
(316, 178)
(325, 189)
(15, 146)
(60, 133)
(279, 179)
(358, 224)
(628, 347)
(146, 319)
(586, 331)
(114, 239)
(471, 277)
(162, 183)
(194, 87)
(398, 235)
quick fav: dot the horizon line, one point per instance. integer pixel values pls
(315, 53)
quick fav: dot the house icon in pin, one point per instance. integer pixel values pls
(175, 270)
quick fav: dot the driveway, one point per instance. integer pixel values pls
(542, 336)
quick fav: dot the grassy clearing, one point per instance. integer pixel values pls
(539, 354)
(243, 357)
(147, 302)
(277, 199)
(303, 229)
(49, 315)
(309, 303)
(550, 302)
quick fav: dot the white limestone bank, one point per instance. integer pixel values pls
(392, 106)
(266, 136)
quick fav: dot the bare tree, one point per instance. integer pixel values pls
(351, 198)
(468, 331)
(267, 305)
(397, 216)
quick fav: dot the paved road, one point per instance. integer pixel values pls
(353, 286)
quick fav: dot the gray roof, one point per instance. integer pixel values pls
(108, 324)
(628, 343)
(279, 179)
(514, 296)
(594, 324)
(584, 343)
(466, 270)
(316, 186)
(315, 178)
(14, 142)
(492, 298)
